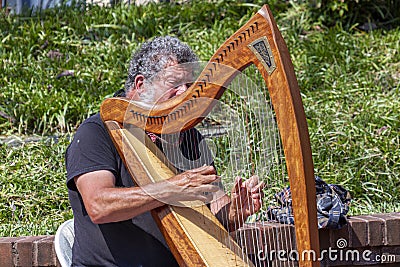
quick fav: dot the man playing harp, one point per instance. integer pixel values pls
(113, 226)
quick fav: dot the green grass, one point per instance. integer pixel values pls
(350, 88)
(349, 82)
(33, 197)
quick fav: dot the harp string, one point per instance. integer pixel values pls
(252, 92)
(275, 142)
(243, 153)
(260, 155)
(251, 146)
(242, 140)
(238, 155)
(255, 235)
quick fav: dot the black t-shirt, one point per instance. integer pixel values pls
(136, 242)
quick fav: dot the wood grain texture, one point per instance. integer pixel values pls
(186, 110)
(292, 124)
(194, 234)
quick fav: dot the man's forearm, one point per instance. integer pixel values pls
(118, 204)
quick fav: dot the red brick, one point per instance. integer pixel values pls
(393, 231)
(276, 237)
(367, 256)
(391, 254)
(249, 238)
(7, 251)
(339, 234)
(378, 265)
(324, 239)
(268, 242)
(392, 228)
(335, 257)
(350, 257)
(269, 236)
(278, 263)
(358, 232)
(396, 228)
(376, 230)
(286, 236)
(24, 250)
(44, 253)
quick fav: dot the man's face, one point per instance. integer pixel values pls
(172, 81)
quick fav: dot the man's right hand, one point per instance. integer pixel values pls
(191, 185)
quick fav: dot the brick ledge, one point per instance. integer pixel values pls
(379, 233)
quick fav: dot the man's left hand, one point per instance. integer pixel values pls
(246, 199)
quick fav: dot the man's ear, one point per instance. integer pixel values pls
(137, 87)
(139, 80)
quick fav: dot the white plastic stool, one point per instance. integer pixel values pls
(63, 242)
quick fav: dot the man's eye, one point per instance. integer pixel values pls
(171, 82)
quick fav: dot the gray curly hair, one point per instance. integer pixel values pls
(153, 55)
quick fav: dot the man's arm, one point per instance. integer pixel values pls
(106, 203)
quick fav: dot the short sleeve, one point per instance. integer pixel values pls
(90, 150)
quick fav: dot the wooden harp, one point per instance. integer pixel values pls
(195, 236)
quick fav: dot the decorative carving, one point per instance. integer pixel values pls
(262, 50)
